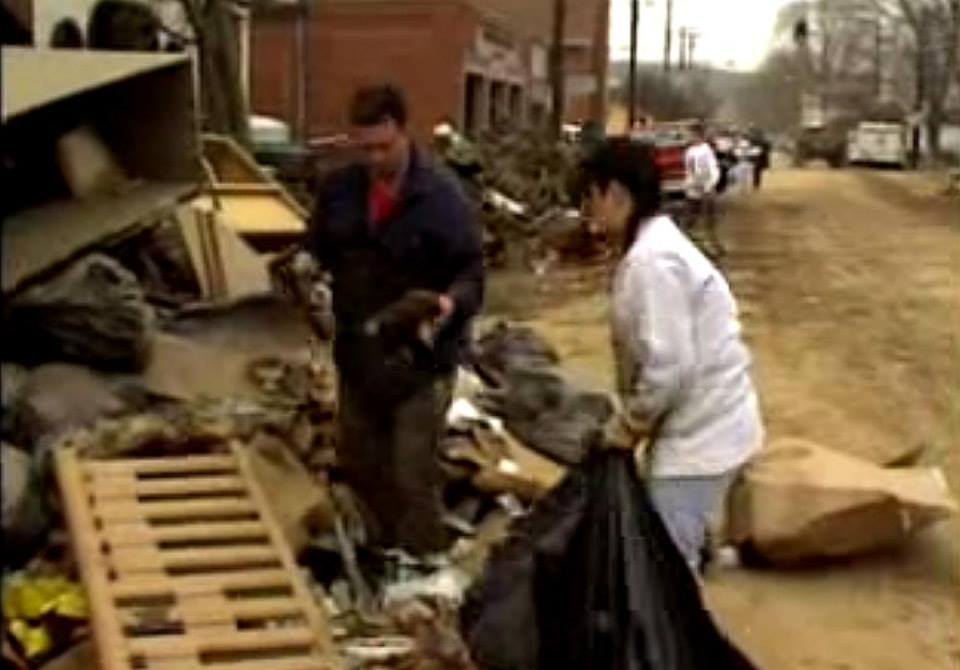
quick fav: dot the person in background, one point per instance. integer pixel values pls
(404, 253)
(761, 158)
(687, 398)
(745, 168)
(703, 174)
(722, 146)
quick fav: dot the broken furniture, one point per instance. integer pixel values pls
(186, 567)
(252, 204)
(139, 106)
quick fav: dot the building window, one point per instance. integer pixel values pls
(516, 105)
(472, 101)
(498, 106)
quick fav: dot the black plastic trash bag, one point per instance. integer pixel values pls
(591, 580)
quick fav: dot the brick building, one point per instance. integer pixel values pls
(586, 46)
(454, 59)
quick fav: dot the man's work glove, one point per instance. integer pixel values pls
(415, 317)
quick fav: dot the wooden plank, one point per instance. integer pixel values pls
(147, 586)
(267, 664)
(172, 646)
(117, 486)
(93, 569)
(180, 509)
(207, 609)
(185, 464)
(34, 78)
(149, 558)
(207, 615)
(255, 213)
(247, 187)
(42, 237)
(317, 620)
(203, 604)
(136, 533)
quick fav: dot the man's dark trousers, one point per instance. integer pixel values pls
(389, 454)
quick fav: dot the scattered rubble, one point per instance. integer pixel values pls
(43, 614)
(539, 402)
(93, 312)
(26, 515)
(57, 398)
(12, 379)
(524, 187)
(162, 282)
(301, 506)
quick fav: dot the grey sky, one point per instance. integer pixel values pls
(733, 33)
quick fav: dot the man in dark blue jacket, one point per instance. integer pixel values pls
(399, 241)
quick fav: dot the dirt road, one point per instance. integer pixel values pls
(849, 283)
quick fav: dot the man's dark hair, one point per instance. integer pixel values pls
(372, 105)
(632, 165)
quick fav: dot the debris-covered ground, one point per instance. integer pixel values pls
(171, 337)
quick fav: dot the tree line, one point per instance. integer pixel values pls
(883, 59)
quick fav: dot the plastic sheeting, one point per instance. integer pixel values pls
(591, 579)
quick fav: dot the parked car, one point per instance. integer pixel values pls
(878, 143)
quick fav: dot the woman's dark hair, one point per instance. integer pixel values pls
(632, 165)
(372, 105)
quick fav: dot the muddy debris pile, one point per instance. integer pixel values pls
(112, 362)
(170, 339)
(524, 186)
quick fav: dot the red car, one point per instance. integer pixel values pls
(670, 142)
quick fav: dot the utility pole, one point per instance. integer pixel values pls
(668, 37)
(598, 104)
(632, 82)
(557, 74)
(922, 82)
(878, 58)
(692, 36)
(683, 49)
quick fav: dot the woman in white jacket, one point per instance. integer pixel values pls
(683, 369)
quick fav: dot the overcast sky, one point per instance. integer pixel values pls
(733, 33)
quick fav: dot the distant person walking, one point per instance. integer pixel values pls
(760, 155)
(702, 177)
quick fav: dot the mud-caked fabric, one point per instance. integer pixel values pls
(390, 457)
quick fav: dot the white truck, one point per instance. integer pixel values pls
(878, 143)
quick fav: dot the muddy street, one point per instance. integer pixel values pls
(848, 283)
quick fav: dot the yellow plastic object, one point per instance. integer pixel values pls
(27, 600)
(35, 640)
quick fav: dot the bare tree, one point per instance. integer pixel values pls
(844, 51)
(934, 29)
(771, 97)
(670, 99)
(837, 50)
